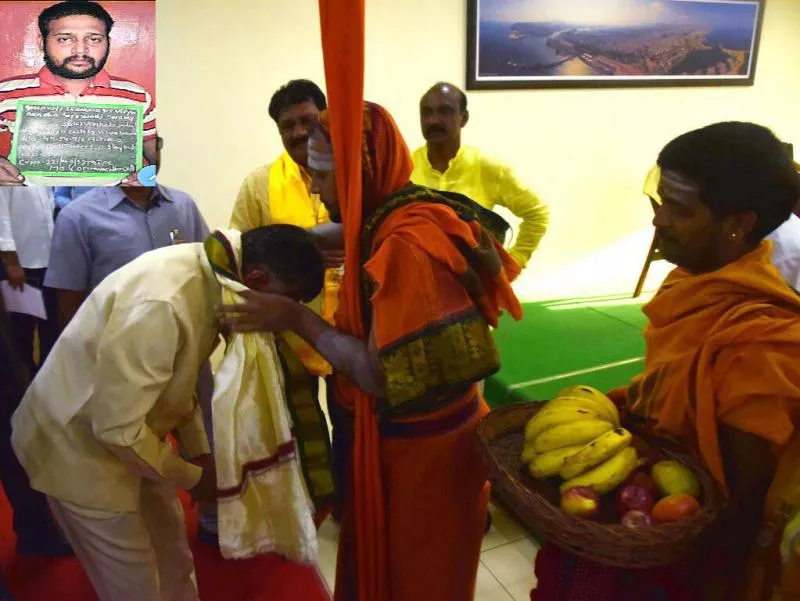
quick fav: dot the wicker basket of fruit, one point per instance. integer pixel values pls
(570, 471)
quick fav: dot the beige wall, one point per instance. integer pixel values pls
(584, 151)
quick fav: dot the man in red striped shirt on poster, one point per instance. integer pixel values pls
(75, 42)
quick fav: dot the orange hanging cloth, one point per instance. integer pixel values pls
(342, 26)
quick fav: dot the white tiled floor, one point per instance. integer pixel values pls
(505, 572)
(512, 565)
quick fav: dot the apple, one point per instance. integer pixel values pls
(581, 501)
(645, 481)
(634, 498)
(636, 519)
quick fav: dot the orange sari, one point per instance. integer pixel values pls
(430, 281)
(723, 349)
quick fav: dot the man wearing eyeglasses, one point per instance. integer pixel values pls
(75, 43)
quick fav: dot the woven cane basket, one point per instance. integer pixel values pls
(536, 502)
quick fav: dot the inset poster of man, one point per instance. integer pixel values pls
(77, 93)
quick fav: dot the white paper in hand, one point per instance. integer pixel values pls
(29, 301)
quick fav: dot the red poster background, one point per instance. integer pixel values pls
(133, 39)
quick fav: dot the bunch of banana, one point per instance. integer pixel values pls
(578, 437)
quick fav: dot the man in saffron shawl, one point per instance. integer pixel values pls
(721, 374)
(412, 343)
(280, 192)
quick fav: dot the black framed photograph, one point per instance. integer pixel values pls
(611, 43)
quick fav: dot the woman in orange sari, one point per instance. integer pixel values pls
(412, 343)
(722, 374)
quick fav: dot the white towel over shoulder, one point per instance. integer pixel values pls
(264, 505)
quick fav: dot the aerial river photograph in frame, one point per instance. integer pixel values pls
(621, 39)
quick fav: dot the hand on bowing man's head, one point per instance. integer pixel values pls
(260, 311)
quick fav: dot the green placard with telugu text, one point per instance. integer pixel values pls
(67, 139)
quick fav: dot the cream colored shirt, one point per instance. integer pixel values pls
(120, 378)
